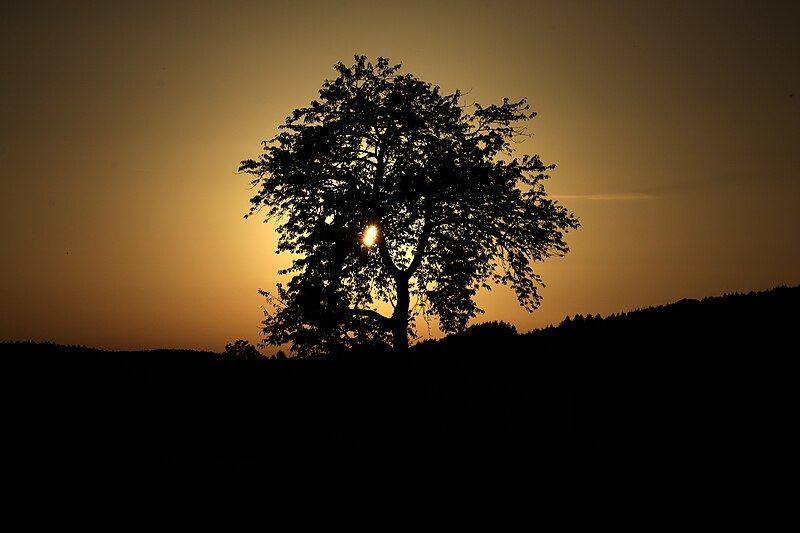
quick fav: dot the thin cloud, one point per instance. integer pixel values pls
(619, 196)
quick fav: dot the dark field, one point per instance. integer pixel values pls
(695, 390)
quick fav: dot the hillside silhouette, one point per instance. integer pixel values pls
(696, 389)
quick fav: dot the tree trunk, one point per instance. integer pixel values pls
(400, 316)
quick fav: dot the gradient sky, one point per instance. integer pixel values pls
(675, 128)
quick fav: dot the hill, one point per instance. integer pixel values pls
(696, 389)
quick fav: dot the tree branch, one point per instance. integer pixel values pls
(384, 321)
(422, 243)
(386, 259)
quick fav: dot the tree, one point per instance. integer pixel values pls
(389, 192)
(242, 348)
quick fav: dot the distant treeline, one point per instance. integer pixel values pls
(673, 390)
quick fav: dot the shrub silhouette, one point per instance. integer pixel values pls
(242, 348)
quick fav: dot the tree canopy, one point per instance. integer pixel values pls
(399, 201)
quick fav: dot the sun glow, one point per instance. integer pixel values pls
(370, 235)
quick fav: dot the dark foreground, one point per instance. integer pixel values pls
(696, 391)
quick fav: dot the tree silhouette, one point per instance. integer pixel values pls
(390, 193)
(242, 348)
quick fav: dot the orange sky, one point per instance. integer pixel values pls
(675, 127)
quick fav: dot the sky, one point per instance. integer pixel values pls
(674, 125)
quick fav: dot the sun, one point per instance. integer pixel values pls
(370, 235)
